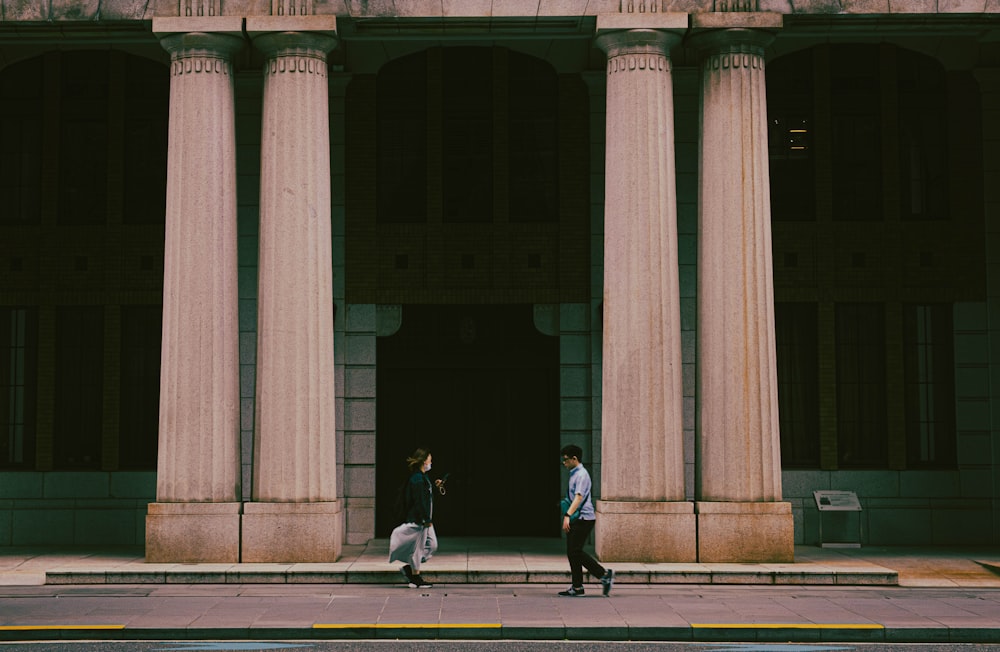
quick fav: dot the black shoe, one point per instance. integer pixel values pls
(417, 582)
(607, 581)
(572, 591)
(407, 572)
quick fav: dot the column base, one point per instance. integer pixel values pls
(645, 531)
(292, 532)
(745, 532)
(193, 532)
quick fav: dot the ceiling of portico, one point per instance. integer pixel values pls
(959, 42)
(368, 43)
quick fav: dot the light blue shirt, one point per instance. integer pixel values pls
(579, 483)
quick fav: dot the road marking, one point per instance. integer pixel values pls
(787, 626)
(16, 628)
(406, 625)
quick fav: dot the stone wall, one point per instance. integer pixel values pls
(74, 508)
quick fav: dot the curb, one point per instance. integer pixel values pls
(771, 633)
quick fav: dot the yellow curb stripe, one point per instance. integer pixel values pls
(787, 626)
(24, 628)
(406, 625)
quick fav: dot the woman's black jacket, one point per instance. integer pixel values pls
(418, 499)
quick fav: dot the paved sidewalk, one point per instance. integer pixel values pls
(943, 595)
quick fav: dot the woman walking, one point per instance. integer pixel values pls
(414, 542)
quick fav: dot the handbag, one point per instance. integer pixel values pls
(564, 507)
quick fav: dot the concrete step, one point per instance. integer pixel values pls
(355, 573)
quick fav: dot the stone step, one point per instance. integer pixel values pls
(343, 573)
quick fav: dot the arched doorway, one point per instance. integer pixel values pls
(478, 386)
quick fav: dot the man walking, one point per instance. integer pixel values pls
(578, 523)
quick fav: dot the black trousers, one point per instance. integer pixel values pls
(579, 532)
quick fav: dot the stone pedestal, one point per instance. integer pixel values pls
(646, 531)
(292, 532)
(745, 532)
(193, 533)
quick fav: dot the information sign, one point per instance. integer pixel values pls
(837, 501)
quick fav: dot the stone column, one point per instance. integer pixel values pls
(642, 514)
(295, 515)
(196, 516)
(738, 478)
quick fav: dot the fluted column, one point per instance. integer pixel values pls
(642, 514)
(738, 479)
(196, 513)
(295, 515)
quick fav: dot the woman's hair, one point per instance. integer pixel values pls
(417, 459)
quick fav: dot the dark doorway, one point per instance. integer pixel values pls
(479, 387)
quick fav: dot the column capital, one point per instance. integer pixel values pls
(183, 45)
(735, 39)
(277, 36)
(619, 34)
(637, 41)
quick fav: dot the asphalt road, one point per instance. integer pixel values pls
(475, 646)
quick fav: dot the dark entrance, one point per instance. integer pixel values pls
(478, 386)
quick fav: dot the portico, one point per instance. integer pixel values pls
(293, 510)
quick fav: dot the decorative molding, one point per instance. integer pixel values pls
(546, 318)
(736, 5)
(200, 8)
(735, 60)
(306, 62)
(388, 319)
(292, 7)
(642, 63)
(638, 6)
(193, 62)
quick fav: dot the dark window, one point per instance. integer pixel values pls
(797, 347)
(83, 138)
(79, 387)
(467, 132)
(861, 392)
(18, 382)
(496, 107)
(21, 143)
(147, 99)
(856, 142)
(930, 385)
(790, 138)
(533, 153)
(402, 140)
(923, 137)
(140, 387)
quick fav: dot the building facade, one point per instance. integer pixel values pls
(254, 254)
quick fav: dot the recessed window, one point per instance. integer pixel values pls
(797, 348)
(18, 379)
(861, 392)
(930, 385)
(79, 387)
(140, 386)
